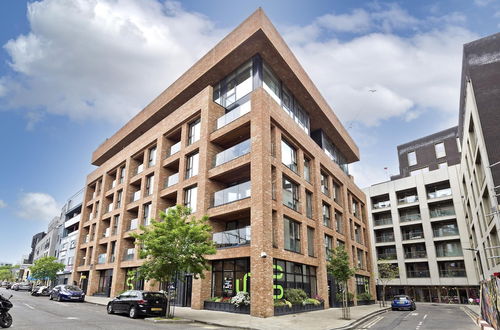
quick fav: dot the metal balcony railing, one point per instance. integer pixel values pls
(447, 231)
(442, 212)
(381, 205)
(417, 273)
(232, 194)
(387, 255)
(439, 193)
(382, 221)
(413, 235)
(415, 254)
(452, 273)
(232, 238)
(407, 199)
(384, 238)
(233, 114)
(409, 217)
(444, 252)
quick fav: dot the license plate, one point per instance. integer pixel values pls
(401, 302)
(155, 309)
(75, 297)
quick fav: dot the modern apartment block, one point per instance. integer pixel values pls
(34, 241)
(419, 223)
(244, 137)
(479, 131)
(48, 244)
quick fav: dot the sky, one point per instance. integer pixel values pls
(73, 72)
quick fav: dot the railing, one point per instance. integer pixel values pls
(452, 273)
(289, 201)
(101, 259)
(140, 168)
(439, 193)
(448, 253)
(442, 232)
(417, 273)
(233, 114)
(381, 205)
(384, 238)
(172, 180)
(86, 239)
(413, 235)
(409, 217)
(408, 199)
(234, 152)
(136, 196)
(383, 221)
(169, 208)
(129, 255)
(106, 232)
(133, 224)
(444, 212)
(175, 148)
(113, 183)
(91, 216)
(387, 255)
(415, 254)
(110, 207)
(232, 194)
(232, 238)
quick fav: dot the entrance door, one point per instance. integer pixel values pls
(188, 289)
(84, 282)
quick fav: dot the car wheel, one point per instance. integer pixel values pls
(59, 298)
(132, 312)
(50, 297)
(393, 308)
(110, 309)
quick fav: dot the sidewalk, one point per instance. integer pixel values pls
(321, 320)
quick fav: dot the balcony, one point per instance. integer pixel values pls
(133, 224)
(381, 205)
(445, 231)
(107, 232)
(233, 115)
(411, 235)
(101, 259)
(135, 196)
(232, 238)
(447, 252)
(407, 200)
(234, 152)
(129, 255)
(110, 207)
(175, 148)
(172, 180)
(140, 168)
(452, 273)
(387, 256)
(409, 217)
(415, 254)
(445, 192)
(417, 273)
(382, 221)
(113, 184)
(442, 212)
(384, 238)
(232, 194)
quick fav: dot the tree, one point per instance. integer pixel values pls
(46, 268)
(6, 273)
(338, 266)
(387, 272)
(177, 243)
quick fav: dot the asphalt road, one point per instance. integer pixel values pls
(427, 316)
(42, 314)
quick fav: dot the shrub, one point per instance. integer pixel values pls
(295, 296)
(350, 296)
(241, 299)
(214, 299)
(282, 303)
(364, 296)
(311, 301)
(225, 299)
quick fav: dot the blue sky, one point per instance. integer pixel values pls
(71, 73)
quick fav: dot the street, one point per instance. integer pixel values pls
(40, 313)
(427, 316)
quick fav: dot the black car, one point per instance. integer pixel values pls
(139, 303)
(67, 292)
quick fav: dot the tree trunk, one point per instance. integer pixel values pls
(348, 309)
(383, 295)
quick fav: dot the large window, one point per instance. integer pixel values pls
(192, 165)
(194, 131)
(290, 194)
(309, 204)
(236, 85)
(150, 185)
(293, 275)
(440, 151)
(152, 157)
(310, 241)
(339, 224)
(327, 222)
(412, 158)
(228, 277)
(307, 169)
(292, 235)
(146, 214)
(271, 84)
(190, 195)
(328, 246)
(289, 156)
(362, 284)
(325, 188)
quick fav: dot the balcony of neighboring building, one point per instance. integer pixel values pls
(386, 254)
(409, 216)
(380, 203)
(417, 270)
(414, 251)
(382, 220)
(384, 237)
(407, 198)
(412, 233)
(439, 191)
(441, 211)
(449, 250)
(452, 268)
(445, 230)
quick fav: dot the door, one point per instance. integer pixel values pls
(119, 305)
(188, 289)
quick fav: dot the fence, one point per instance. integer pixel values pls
(490, 302)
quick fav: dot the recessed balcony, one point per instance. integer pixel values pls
(232, 194)
(172, 180)
(101, 259)
(129, 254)
(232, 238)
(234, 152)
(233, 114)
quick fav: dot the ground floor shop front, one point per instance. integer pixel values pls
(436, 294)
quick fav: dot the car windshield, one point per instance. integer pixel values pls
(153, 295)
(72, 288)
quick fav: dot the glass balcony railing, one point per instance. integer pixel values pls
(413, 235)
(140, 168)
(113, 183)
(129, 255)
(384, 238)
(439, 193)
(448, 252)
(133, 224)
(110, 207)
(107, 232)
(232, 238)
(452, 273)
(407, 199)
(101, 259)
(418, 273)
(445, 231)
(234, 152)
(442, 212)
(387, 255)
(135, 196)
(233, 114)
(175, 148)
(415, 254)
(381, 205)
(86, 239)
(409, 217)
(232, 194)
(172, 180)
(383, 221)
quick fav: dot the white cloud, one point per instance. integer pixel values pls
(358, 21)
(102, 59)
(483, 3)
(2, 204)
(37, 206)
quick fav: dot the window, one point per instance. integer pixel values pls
(328, 246)
(72, 244)
(362, 284)
(150, 185)
(122, 174)
(236, 85)
(292, 275)
(146, 214)
(360, 259)
(290, 194)
(292, 235)
(289, 156)
(70, 261)
(412, 158)
(152, 156)
(194, 131)
(228, 276)
(440, 151)
(309, 202)
(271, 84)
(190, 195)
(324, 184)
(443, 165)
(339, 225)
(326, 215)
(192, 165)
(310, 241)
(116, 221)
(356, 209)
(119, 196)
(307, 170)
(337, 196)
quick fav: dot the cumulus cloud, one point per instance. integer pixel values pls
(101, 59)
(2, 204)
(37, 206)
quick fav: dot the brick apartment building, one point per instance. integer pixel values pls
(245, 137)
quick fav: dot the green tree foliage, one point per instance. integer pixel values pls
(339, 267)
(6, 273)
(46, 268)
(387, 272)
(177, 243)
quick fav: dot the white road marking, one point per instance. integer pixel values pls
(425, 316)
(414, 314)
(30, 307)
(72, 318)
(371, 324)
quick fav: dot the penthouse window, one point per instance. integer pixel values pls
(412, 158)
(192, 165)
(440, 151)
(235, 86)
(292, 235)
(289, 156)
(194, 131)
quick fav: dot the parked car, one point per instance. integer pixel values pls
(22, 286)
(139, 303)
(5, 284)
(67, 292)
(403, 302)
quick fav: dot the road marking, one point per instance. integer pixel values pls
(469, 314)
(414, 314)
(425, 316)
(30, 307)
(72, 318)
(371, 323)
